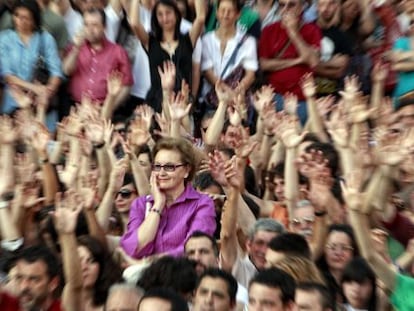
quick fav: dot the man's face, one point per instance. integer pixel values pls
(279, 188)
(308, 300)
(94, 27)
(212, 295)
(327, 9)
(257, 247)
(265, 298)
(303, 221)
(200, 249)
(231, 137)
(290, 7)
(34, 284)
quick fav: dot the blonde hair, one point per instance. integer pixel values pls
(301, 269)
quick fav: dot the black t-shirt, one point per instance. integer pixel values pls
(343, 44)
(182, 59)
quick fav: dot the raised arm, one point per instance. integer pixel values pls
(198, 23)
(136, 25)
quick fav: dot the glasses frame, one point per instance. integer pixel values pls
(125, 193)
(169, 167)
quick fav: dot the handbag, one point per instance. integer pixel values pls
(235, 76)
(41, 71)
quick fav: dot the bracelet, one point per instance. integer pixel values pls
(155, 210)
(269, 135)
(320, 213)
(4, 204)
(99, 146)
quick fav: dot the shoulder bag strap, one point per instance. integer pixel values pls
(233, 56)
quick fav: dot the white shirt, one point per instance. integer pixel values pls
(213, 59)
(113, 22)
(74, 22)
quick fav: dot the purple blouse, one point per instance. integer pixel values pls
(191, 211)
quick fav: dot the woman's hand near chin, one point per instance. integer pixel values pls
(158, 195)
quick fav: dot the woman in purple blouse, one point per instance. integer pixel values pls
(161, 223)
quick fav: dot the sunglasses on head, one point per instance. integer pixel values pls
(125, 193)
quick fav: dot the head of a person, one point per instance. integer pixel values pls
(230, 135)
(286, 245)
(260, 235)
(174, 163)
(329, 152)
(293, 7)
(350, 10)
(126, 194)
(205, 122)
(216, 291)
(162, 299)
(276, 178)
(228, 12)
(27, 16)
(99, 271)
(302, 269)
(303, 219)
(340, 247)
(203, 249)
(272, 290)
(205, 183)
(166, 16)
(37, 276)
(94, 20)
(405, 113)
(144, 157)
(179, 274)
(123, 297)
(327, 10)
(311, 296)
(85, 5)
(359, 285)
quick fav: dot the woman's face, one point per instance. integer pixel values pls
(124, 198)
(338, 250)
(145, 163)
(23, 20)
(166, 17)
(90, 267)
(358, 294)
(227, 14)
(169, 178)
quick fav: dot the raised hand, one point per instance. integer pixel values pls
(234, 116)
(40, 138)
(94, 130)
(325, 105)
(114, 83)
(163, 124)
(351, 189)
(312, 164)
(217, 170)
(139, 133)
(338, 128)
(88, 193)
(167, 75)
(231, 173)
(23, 99)
(308, 85)
(359, 111)
(290, 104)
(379, 72)
(263, 97)
(224, 92)
(117, 175)
(289, 132)
(68, 207)
(146, 113)
(179, 107)
(7, 130)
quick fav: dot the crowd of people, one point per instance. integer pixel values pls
(207, 155)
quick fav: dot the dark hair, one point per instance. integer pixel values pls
(156, 28)
(329, 152)
(145, 149)
(97, 11)
(359, 271)
(291, 244)
(35, 253)
(349, 231)
(183, 147)
(253, 206)
(129, 179)
(34, 9)
(277, 171)
(178, 274)
(276, 278)
(177, 302)
(109, 271)
(216, 273)
(237, 4)
(204, 180)
(325, 300)
(200, 234)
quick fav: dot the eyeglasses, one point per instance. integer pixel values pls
(167, 167)
(289, 5)
(339, 247)
(125, 193)
(303, 221)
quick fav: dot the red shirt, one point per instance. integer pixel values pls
(272, 41)
(93, 68)
(8, 303)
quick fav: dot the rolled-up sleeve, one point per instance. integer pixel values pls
(129, 241)
(250, 62)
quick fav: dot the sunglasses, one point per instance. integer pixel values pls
(303, 221)
(167, 167)
(125, 193)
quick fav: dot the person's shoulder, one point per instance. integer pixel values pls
(271, 28)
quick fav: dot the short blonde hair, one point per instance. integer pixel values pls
(301, 269)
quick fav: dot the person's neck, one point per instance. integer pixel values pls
(168, 36)
(172, 195)
(87, 297)
(124, 220)
(97, 46)
(226, 32)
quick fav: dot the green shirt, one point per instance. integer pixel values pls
(403, 296)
